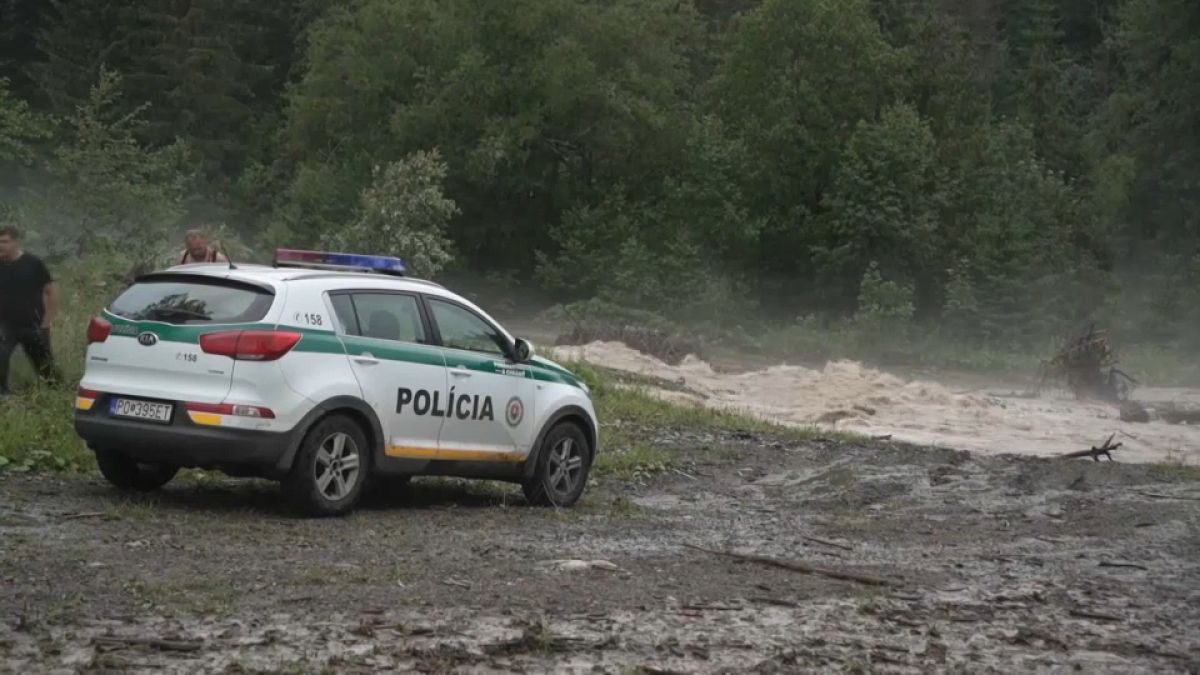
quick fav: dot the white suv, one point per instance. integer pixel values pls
(322, 371)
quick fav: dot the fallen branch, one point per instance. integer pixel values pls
(713, 608)
(153, 643)
(89, 514)
(1155, 495)
(778, 602)
(1094, 452)
(1097, 616)
(826, 542)
(797, 566)
(1134, 566)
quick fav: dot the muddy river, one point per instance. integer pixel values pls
(848, 396)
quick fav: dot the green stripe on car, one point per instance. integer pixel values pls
(328, 342)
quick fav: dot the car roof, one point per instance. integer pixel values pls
(280, 275)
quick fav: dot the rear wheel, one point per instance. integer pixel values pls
(330, 468)
(127, 473)
(562, 468)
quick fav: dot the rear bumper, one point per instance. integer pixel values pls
(183, 443)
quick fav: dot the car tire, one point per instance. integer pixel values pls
(331, 467)
(126, 473)
(563, 462)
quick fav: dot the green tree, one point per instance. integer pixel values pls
(211, 70)
(883, 206)
(112, 193)
(794, 82)
(539, 107)
(20, 129)
(404, 212)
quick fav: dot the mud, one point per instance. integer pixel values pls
(995, 564)
(848, 396)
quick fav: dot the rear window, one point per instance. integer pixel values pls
(192, 301)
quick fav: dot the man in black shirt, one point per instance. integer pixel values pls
(28, 305)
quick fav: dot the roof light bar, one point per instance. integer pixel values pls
(324, 260)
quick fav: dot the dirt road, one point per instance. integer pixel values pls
(991, 564)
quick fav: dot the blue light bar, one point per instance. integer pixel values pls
(285, 257)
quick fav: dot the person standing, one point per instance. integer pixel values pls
(28, 307)
(197, 250)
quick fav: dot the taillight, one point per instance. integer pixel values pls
(98, 330)
(86, 398)
(231, 409)
(250, 345)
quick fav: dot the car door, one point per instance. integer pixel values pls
(491, 410)
(402, 377)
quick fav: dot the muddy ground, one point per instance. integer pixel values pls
(990, 564)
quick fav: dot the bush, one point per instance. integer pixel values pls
(404, 212)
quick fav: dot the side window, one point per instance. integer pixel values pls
(343, 306)
(463, 329)
(389, 316)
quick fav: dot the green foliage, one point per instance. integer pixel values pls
(539, 107)
(880, 300)
(793, 83)
(210, 70)
(404, 212)
(113, 193)
(36, 432)
(19, 128)
(883, 205)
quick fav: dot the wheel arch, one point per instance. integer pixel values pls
(344, 405)
(570, 413)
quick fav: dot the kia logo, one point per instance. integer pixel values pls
(147, 339)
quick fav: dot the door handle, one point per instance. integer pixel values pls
(460, 372)
(366, 358)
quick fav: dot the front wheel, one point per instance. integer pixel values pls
(562, 468)
(330, 468)
(127, 473)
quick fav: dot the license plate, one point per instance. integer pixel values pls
(141, 410)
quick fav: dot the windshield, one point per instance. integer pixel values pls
(179, 301)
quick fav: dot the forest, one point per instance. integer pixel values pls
(993, 173)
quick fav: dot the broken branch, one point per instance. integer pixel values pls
(153, 643)
(1094, 452)
(826, 542)
(797, 566)
(1106, 563)
(89, 514)
(1097, 616)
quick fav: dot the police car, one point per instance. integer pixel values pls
(322, 371)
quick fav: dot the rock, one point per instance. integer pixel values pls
(1132, 411)
(580, 565)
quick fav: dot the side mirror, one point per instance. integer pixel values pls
(522, 351)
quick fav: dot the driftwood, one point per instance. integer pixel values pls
(826, 542)
(1155, 495)
(1086, 363)
(78, 516)
(1123, 565)
(797, 566)
(1095, 453)
(1095, 616)
(114, 642)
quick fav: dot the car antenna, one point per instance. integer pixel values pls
(226, 254)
